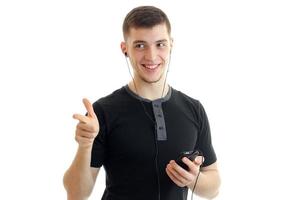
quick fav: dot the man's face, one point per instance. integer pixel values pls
(148, 50)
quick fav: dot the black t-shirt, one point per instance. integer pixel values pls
(133, 130)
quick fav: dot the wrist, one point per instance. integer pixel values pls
(195, 181)
(85, 147)
(191, 185)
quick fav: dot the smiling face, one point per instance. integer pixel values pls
(148, 50)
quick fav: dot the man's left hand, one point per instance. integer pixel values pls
(182, 177)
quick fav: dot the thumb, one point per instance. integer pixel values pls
(89, 108)
(199, 160)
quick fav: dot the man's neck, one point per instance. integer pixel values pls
(149, 91)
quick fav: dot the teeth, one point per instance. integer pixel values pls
(150, 66)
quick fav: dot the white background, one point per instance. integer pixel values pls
(239, 58)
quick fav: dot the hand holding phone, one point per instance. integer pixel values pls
(190, 155)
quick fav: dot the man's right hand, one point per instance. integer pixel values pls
(88, 126)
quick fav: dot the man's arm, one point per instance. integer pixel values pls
(208, 182)
(80, 178)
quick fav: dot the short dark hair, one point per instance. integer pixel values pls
(145, 17)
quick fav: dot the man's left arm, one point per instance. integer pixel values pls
(208, 182)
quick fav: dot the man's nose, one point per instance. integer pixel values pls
(150, 54)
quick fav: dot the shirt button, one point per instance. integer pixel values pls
(156, 105)
(159, 115)
(160, 128)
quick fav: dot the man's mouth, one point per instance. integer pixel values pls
(151, 66)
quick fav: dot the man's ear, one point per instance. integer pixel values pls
(171, 44)
(123, 48)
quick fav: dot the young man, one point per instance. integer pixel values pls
(138, 131)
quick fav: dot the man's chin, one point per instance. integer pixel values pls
(153, 81)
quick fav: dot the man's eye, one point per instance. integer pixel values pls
(140, 46)
(161, 45)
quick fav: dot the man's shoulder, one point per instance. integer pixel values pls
(114, 98)
(188, 104)
(181, 97)
(113, 103)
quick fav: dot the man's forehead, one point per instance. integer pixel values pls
(148, 37)
(147, 34)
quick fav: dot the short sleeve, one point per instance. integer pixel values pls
(98, 155)
(204, 141)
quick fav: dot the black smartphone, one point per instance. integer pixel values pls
(190, 155)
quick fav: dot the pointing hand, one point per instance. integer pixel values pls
(88, 126)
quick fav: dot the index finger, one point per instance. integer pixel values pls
(81, 118)
(89, 108)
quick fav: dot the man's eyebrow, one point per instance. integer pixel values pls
(138, 41)
(163, 40)
(144, 42)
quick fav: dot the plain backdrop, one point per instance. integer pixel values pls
(239, 58)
